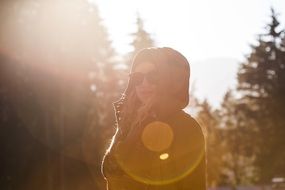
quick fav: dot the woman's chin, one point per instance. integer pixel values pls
(144, 98)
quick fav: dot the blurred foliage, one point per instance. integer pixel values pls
(245, 136)
(58, 81)
(208, 119)
(262, 85)
(140, 39)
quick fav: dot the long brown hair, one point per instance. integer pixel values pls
(130, 113)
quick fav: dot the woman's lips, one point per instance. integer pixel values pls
(146, 92)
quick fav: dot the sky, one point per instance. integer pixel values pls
(214, 35)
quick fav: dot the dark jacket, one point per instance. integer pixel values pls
(137, 162)
(139, 168)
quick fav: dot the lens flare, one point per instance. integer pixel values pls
(157, 136)
(163, 155)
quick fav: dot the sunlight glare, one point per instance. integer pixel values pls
(164, 156)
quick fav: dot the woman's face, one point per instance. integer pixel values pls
(147, 87)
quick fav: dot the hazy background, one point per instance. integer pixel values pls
(213, 35)
(64, 62)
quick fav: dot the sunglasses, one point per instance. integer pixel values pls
(138, 77)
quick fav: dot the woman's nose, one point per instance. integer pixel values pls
(145, 82)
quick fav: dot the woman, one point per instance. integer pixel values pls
(157, 146)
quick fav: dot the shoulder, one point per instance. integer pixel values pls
(186, 117)
(184, 124)
(182, 118)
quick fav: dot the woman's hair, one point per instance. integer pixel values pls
(133, 113)
(129, 115)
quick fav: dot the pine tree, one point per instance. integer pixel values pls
(208, 119)
(237, 134)
(141, 39)
(262, 83)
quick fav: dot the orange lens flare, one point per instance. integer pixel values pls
(158, 157)
(157, 136)
(164, 156)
